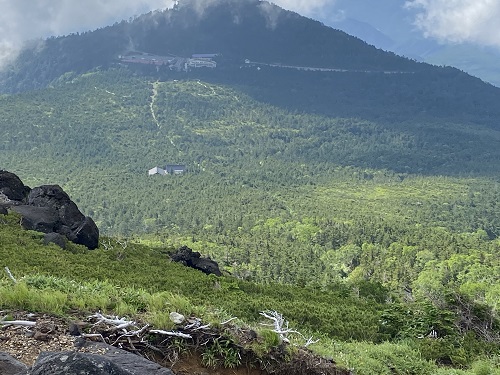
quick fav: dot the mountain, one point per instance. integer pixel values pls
(365, 32)
(479, 61)
(331, 180)
(367, 80)
(390, 26)
(237, 30)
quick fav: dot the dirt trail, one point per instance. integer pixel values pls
(153, 100)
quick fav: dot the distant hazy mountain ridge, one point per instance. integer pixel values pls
(238, 30)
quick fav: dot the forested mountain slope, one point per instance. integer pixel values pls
(141, 283)
(273, 194)
(237, 30)
(379, 179)
(369, 83)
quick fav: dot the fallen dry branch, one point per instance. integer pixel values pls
(24, 323)
(118, 323)
(171, 333)
(169, 347)
(10, 275)
(282, 329)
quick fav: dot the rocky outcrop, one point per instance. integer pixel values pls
(48, 209)
(11, 366)
(12, 188)
(89, 359)
(75, 363)
(193, 259)
(41, 219)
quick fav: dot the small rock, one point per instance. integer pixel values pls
(74, 330)
(40, 336)
(177, 318)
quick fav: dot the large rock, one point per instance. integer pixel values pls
(75, 363)
(53, 196)
(11, 366)
(41, 219)
(48, 209)
(70, 221)
(193, 259)
(109, 361)
(87, 234)
(12, 187)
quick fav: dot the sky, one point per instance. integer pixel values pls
(452, 21)
(474, 21)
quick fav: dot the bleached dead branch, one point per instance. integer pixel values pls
(123, 244)
(201, 327)
(194, 323)
(119, 323)
(310, 341)
(130, 334)
(24, 323)
(228, 321)
(282, 328)
(280, 324)
(107, 245)
(171, 333)
(10, 275)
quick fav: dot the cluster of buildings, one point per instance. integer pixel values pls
(172, 62)
(170, 169)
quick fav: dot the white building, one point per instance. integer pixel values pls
(157, 170)
(201, 63)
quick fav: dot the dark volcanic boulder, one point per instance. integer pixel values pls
(71, 222)
(87, 234)
(12, 187)
(75, 363)
(41, 219)
(186, 256)
(109, 361)
(53, 196)
(47, 209)
(10, 365)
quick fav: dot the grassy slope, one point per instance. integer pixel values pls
(268, 188)
(141, 282)
(271, 194)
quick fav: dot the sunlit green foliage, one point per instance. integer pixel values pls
(141, 282)
(373, 230)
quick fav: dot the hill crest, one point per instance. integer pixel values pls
(238, 30)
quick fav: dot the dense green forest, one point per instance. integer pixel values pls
(362, 203)
(273, 195)
(361, 325)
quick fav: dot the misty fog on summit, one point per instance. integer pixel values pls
(448, 21)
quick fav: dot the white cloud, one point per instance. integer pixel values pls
(21, 20)
(457, 21)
